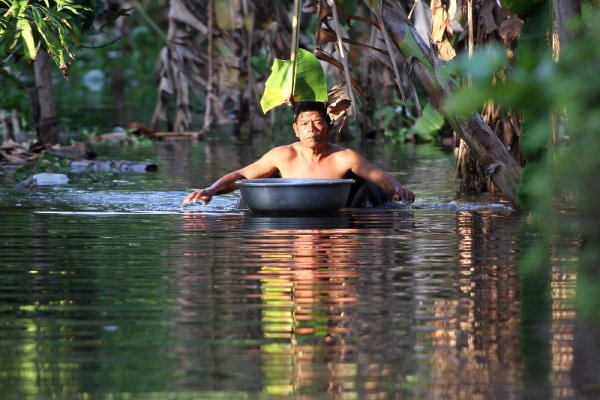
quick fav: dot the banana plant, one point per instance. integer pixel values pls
(301, 78)
(25, 26)
(291, 81)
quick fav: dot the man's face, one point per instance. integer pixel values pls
(311, 128)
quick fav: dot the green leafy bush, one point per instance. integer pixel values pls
(537, 86)
(25, 26)
(396, 126)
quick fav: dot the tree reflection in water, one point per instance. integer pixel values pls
(368, 306)
(307, 280)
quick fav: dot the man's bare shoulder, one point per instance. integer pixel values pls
(285, 151)
(343, 152)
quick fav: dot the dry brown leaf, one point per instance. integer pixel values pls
(325, 36)
(9, 144)
(440, 28)
(323, 56)
(12, 159)
(337, 92)
(452, 7)
(179, 12)
(16, 151)
(487, 20)
(439, 21)
(445, 51)
(323, 10)
(510, 29)
(338, 108)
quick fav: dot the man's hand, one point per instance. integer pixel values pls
(403, 194)
(203, 195)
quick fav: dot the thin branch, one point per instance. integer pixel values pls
(149, 20)
(348, 78)
(250, 37)
(470, 26)
(210, 84)
(412, 9)
(390, 49)
(295, 38)
(84, 46)
(12, 53)
(328, 36)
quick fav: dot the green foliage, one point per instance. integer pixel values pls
(259, 64)
(14, 96)
(25, 26)
(45, 163)
(577, 93)
(132, 58)
(139, 141)
(51, 164)
(310, 84)
(481, 71)
(134, 55)
(524, 9)
(538, 86)
(391, 120)
(396, 126)
(428, 124)
(91, 176)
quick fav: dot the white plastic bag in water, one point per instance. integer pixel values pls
(46, 179)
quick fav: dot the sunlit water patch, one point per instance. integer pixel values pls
(64, 198)
(74, 199)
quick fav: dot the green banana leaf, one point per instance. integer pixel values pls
(310, 84)
(430, 122)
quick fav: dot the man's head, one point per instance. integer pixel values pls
(318, 106)
(311, 124)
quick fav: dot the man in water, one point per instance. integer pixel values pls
(312, 156)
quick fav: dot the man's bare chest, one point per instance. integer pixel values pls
(300, 168)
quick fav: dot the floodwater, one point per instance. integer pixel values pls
(108, 289)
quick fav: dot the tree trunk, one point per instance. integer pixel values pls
(488, 22)
(496, 160)
(564, 10)
(45, 117)
(7, 125)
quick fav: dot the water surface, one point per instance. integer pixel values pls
(109, 289)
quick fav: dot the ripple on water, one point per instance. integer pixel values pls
(361, 303)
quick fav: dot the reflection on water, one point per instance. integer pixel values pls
(103, 295)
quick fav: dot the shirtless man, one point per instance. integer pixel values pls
(312, 156)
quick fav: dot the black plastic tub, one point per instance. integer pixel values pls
(294, 195)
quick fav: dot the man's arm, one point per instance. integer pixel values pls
(225, 184)
(263, 167)
(363, 168)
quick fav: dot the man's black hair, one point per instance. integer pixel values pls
(318, 106)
